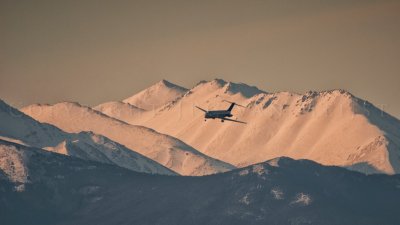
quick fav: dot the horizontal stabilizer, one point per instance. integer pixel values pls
(201, 109)
(234, 103)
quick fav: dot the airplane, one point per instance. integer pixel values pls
(221, 114)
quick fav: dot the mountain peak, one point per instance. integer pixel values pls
(168, 84)
(156, 95)
(219, 81)
(337, 92)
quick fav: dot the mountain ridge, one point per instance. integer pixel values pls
(166, 150)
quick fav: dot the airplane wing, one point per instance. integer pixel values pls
(237, 121)
(201, 109)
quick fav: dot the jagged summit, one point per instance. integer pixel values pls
(218, 81)
(228, 87)
(237, 87)
(244, 89)
(339, 90)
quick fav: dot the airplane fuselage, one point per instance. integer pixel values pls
(217, 114)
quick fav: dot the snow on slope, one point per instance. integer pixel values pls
(90, 146)
(329, 127)
(122, 111)
(167, 150)
(13, 163)
(156, 95)
(17, 127)
(131, 115)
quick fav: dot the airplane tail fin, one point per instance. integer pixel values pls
(231, 106)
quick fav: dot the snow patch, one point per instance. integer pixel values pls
(277, 193)
(259, 169)
(302, 199)
(89, 190)
(13, 164)
(96, 199)
(245, 199)
(273, 162)
(244, 172)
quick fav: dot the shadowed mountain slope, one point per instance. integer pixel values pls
(63, 190)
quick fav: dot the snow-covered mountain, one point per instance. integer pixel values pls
(156, 96)
(66, 190)
(166, 150)
(329, 127)
(20, 128)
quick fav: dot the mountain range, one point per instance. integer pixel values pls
(330, 127)
(324, 157)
